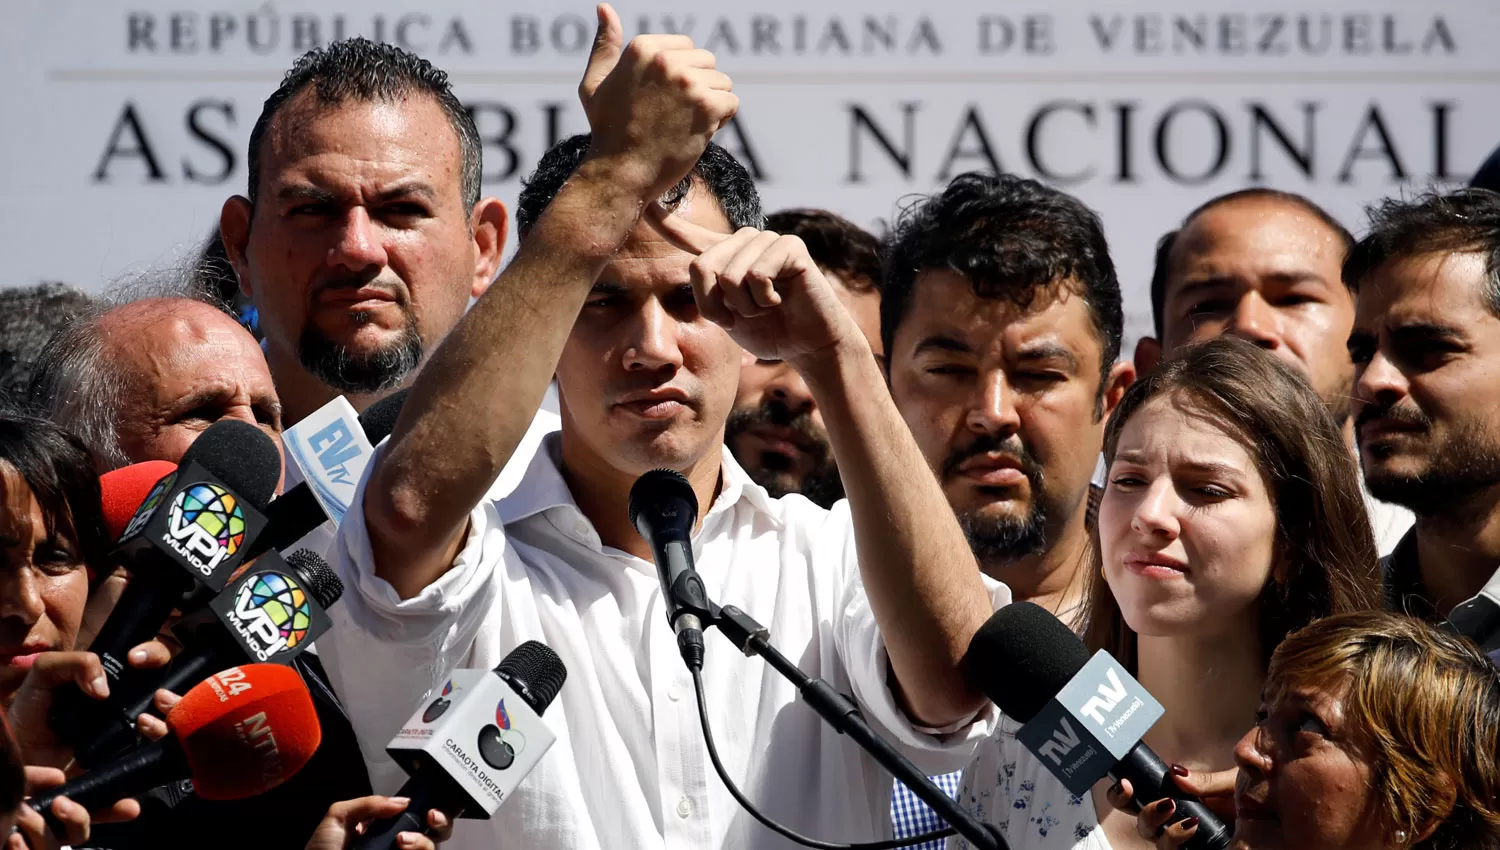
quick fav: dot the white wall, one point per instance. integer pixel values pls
(1144, 109)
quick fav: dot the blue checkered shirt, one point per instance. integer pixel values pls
(910, 816)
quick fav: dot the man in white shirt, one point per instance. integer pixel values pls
(644, 338)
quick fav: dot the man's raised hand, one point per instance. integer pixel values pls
(763, 288)
(652, 105)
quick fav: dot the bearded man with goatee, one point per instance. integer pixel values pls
(1001, 318)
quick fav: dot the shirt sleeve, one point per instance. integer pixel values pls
(384, 654)
(860, 644)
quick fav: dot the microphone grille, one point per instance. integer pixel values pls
(321, 581)
(536, 673)
(658, 486)
(240, 455)
(1021, 657)
(379, 419)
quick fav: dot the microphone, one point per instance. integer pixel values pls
(1084, 717)
(270, 613)
(663, 510)
(241, 733)
(192, 529)
(123, 490)
(331, 448)
(1478, 618)
(467, 750)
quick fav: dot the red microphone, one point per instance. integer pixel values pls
(123, 490)
(237, 734)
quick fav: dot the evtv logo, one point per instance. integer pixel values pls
(335, 447)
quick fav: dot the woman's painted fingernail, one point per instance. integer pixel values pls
(1179, 770)
(1189, 823)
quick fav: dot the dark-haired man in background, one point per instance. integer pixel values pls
(1264, 265)
(775, 429)
(1426, 351)
(1001, 319)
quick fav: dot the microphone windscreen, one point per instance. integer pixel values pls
(379, 419)
(240, 455)
(246, 730)
(1021, 657)
(123, 490)
(321, 581)
(657, 487)
(536, 672)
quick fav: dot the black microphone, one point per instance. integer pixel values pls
(270, 613)
(192, 530)
(1083, 717)
(663, 510)
(295, 513)
(467, 750)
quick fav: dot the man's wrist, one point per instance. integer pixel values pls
(620, 176)
(846, 362)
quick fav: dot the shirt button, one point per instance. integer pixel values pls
(684, 807)
(674, 694)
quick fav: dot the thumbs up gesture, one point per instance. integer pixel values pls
(652, 105)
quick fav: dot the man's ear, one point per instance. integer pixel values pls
(1147, 354)
(234, 229)
(491, 224)
(1121, 376)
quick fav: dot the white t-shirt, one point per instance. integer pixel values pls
(630, 769)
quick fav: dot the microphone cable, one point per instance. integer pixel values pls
(785, 832)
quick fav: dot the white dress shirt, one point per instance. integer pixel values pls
(630, 768)
(320, 540)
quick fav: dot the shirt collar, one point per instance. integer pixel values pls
(1401, 575)
(543, 487)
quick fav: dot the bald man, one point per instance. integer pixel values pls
(140, 381)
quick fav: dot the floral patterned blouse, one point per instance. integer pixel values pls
(1006, 786)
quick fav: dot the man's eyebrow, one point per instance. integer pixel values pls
(1048, 351)
(407, 189)
(1424, 331)
(209, 394)
(1190, 287)
(303, 192)
(942, 342)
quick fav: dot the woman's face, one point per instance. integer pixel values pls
(43, 583)
(1302, 781)
(1187, 529)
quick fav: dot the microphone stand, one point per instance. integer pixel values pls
(843, 715)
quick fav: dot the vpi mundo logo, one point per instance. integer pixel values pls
(271, 613)
(498, 743)
(205, 525)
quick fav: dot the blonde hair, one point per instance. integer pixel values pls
(1425, 708)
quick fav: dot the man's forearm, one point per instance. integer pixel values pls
(919, 573)
(480, 389)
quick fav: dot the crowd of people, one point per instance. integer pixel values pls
(1265, 514)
